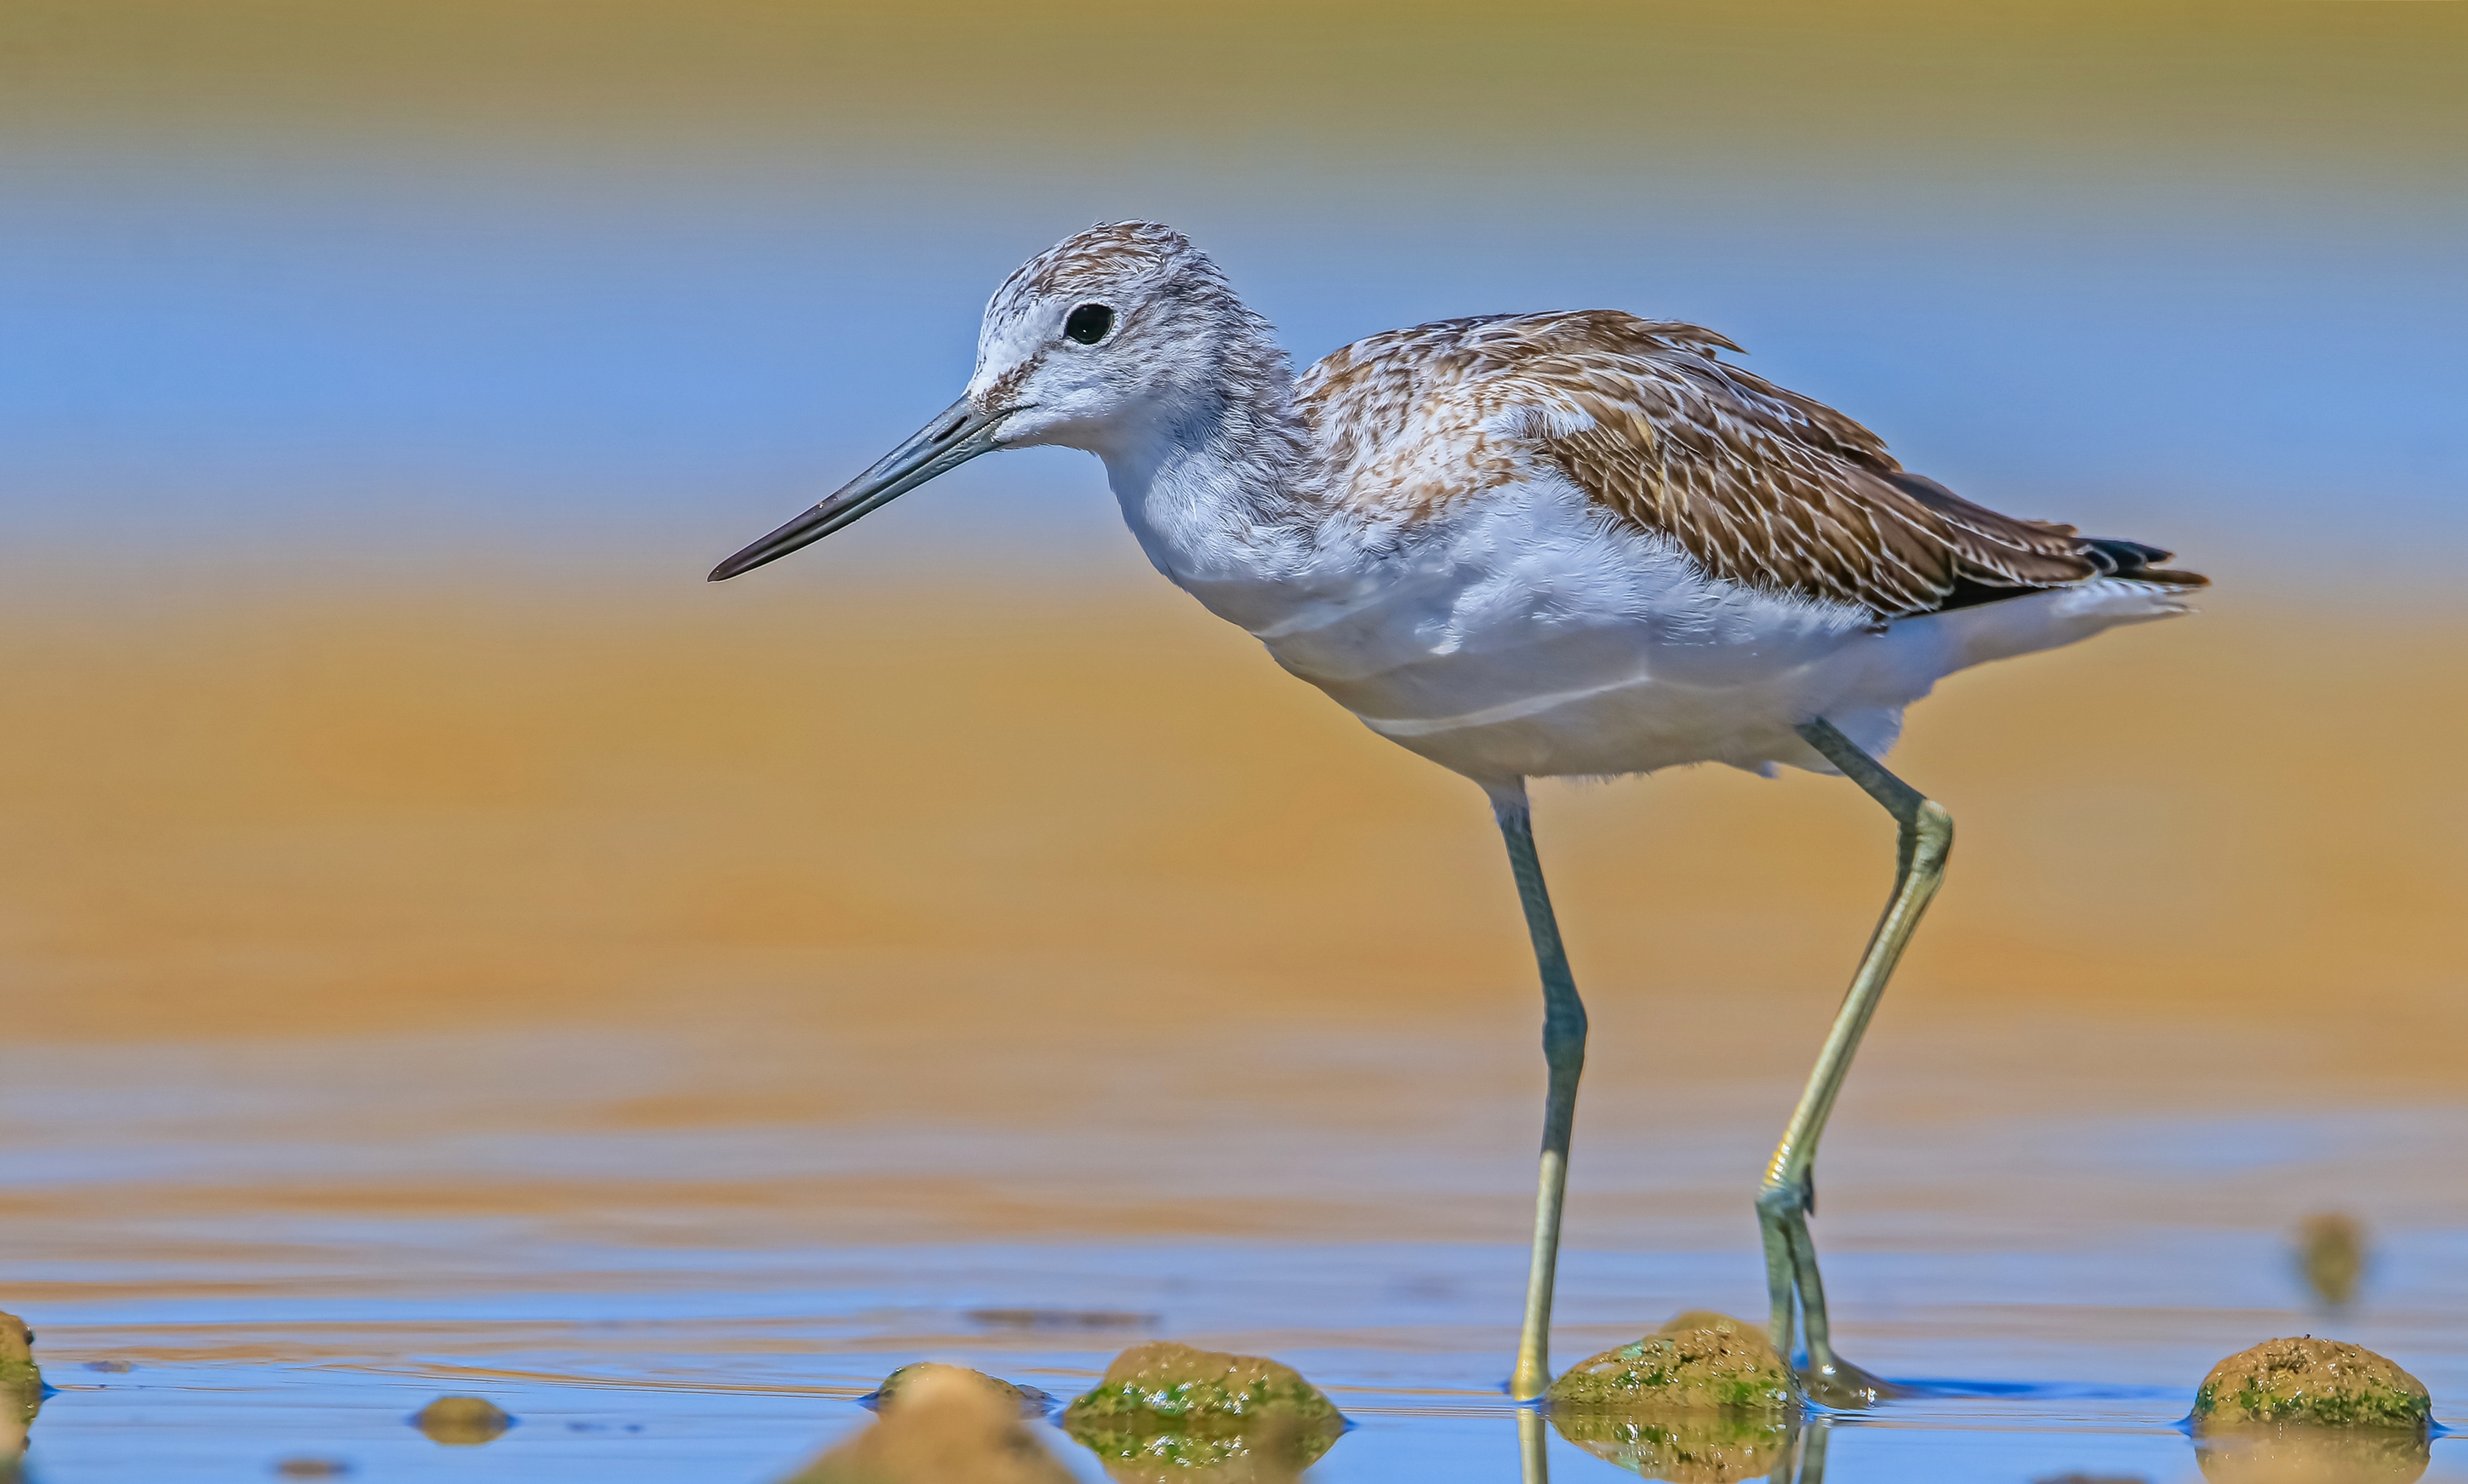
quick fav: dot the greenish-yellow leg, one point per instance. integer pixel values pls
(1533, 1457)
(1788, 1196)
(1564, 1051)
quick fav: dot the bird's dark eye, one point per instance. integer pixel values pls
(1089, 324)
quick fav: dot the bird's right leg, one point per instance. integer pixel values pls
(1564, 1051)
(1788, 1193)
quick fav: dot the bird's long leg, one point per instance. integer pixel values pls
(1788, 1196)
(1533, 1454)
(1564, 1051)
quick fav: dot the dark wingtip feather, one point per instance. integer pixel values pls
(2138, 562)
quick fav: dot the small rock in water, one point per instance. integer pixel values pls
(312, 1467)
(17, 1353)
(1177, 1384)
(2331, 1254)
(1031, 1401)
(943, 1426)
(2315, 1382)
(1697, 1361)
(462, 1421)
(1167, 1411)
(21, 1389)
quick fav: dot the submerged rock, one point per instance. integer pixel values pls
(1698, 1362)
(2314, 1382)
(462, 1421)
(1169, 1412)
(2331, 1254)
(1703, 1446)
(942, 1426)
(1031, 1401)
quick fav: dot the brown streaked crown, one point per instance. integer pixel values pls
(1103, 258)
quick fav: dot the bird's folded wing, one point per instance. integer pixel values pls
(1760, 485)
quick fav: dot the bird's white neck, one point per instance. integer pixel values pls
(1218, 483)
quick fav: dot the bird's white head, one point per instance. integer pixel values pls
(1106, 333)
(1116, 339)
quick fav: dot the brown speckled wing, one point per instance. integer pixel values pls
(1759, 485)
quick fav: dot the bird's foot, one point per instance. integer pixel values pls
(1836, 1383)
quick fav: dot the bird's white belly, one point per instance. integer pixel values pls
(1531, 638)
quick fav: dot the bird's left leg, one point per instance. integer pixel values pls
(1788, 1196)
(1564, 1055)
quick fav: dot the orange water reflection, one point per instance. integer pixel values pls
(1089, 869)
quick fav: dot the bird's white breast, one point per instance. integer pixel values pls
(1523, 634)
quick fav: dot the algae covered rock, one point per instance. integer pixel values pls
(1170, 1383)
(1166, 1411)
(21, 1389)
(462, 1421)
(1031, 1401)
(18, 1369)
(1697, 1363)
(1701, 1445)
(2313, 1382)
(942, 1426)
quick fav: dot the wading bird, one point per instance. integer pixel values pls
(1534, 546)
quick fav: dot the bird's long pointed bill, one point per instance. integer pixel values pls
(958, 433)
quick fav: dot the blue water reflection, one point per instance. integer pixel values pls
(625, 362)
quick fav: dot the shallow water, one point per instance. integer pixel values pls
(731, 1366)
(665, 1025)
(635, 1341)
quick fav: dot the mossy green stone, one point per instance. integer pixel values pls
(2318, 1382)
(1698, 1362)
(1168, 1410)
(1167, 1382)
(18, 1369)
(21, 1390)
(1031, 1401)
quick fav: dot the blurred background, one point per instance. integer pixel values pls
(398, 831)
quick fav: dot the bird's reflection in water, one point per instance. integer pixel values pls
(2292, 1455)
(1685, 1447)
